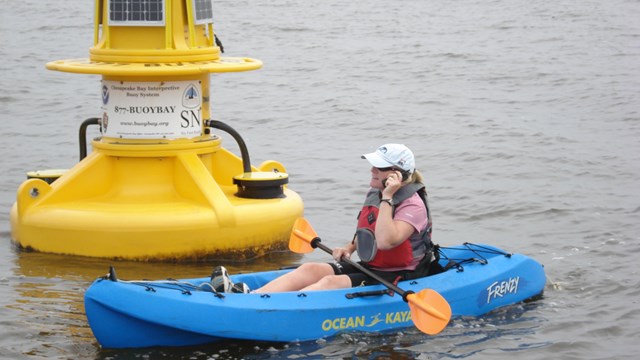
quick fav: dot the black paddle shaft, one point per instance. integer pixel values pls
(317, 243)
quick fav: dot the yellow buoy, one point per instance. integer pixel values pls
(158, 184)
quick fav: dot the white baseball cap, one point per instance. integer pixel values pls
(392, 155)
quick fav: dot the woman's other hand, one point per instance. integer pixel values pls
(340, 252)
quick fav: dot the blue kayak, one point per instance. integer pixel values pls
(131, 314)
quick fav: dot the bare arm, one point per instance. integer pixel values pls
(391, 233)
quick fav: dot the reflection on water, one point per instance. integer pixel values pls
(52, 313)
(79, 268)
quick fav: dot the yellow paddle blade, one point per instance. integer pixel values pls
(301, 237)
(430, 311)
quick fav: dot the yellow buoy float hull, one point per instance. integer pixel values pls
(153, 204)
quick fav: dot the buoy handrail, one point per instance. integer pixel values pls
(83, 135)
(217, 124)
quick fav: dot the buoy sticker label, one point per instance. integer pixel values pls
(151, 110)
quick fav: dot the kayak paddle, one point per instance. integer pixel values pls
(430, 311)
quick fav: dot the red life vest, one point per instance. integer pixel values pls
(412, 248)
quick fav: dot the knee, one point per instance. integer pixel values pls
(333, 282)
(315, 268)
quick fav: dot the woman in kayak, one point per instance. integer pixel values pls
(398, 246)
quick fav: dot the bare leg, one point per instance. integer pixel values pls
(300, 278)
(330, 282)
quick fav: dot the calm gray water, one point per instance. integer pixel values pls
(523, 114)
